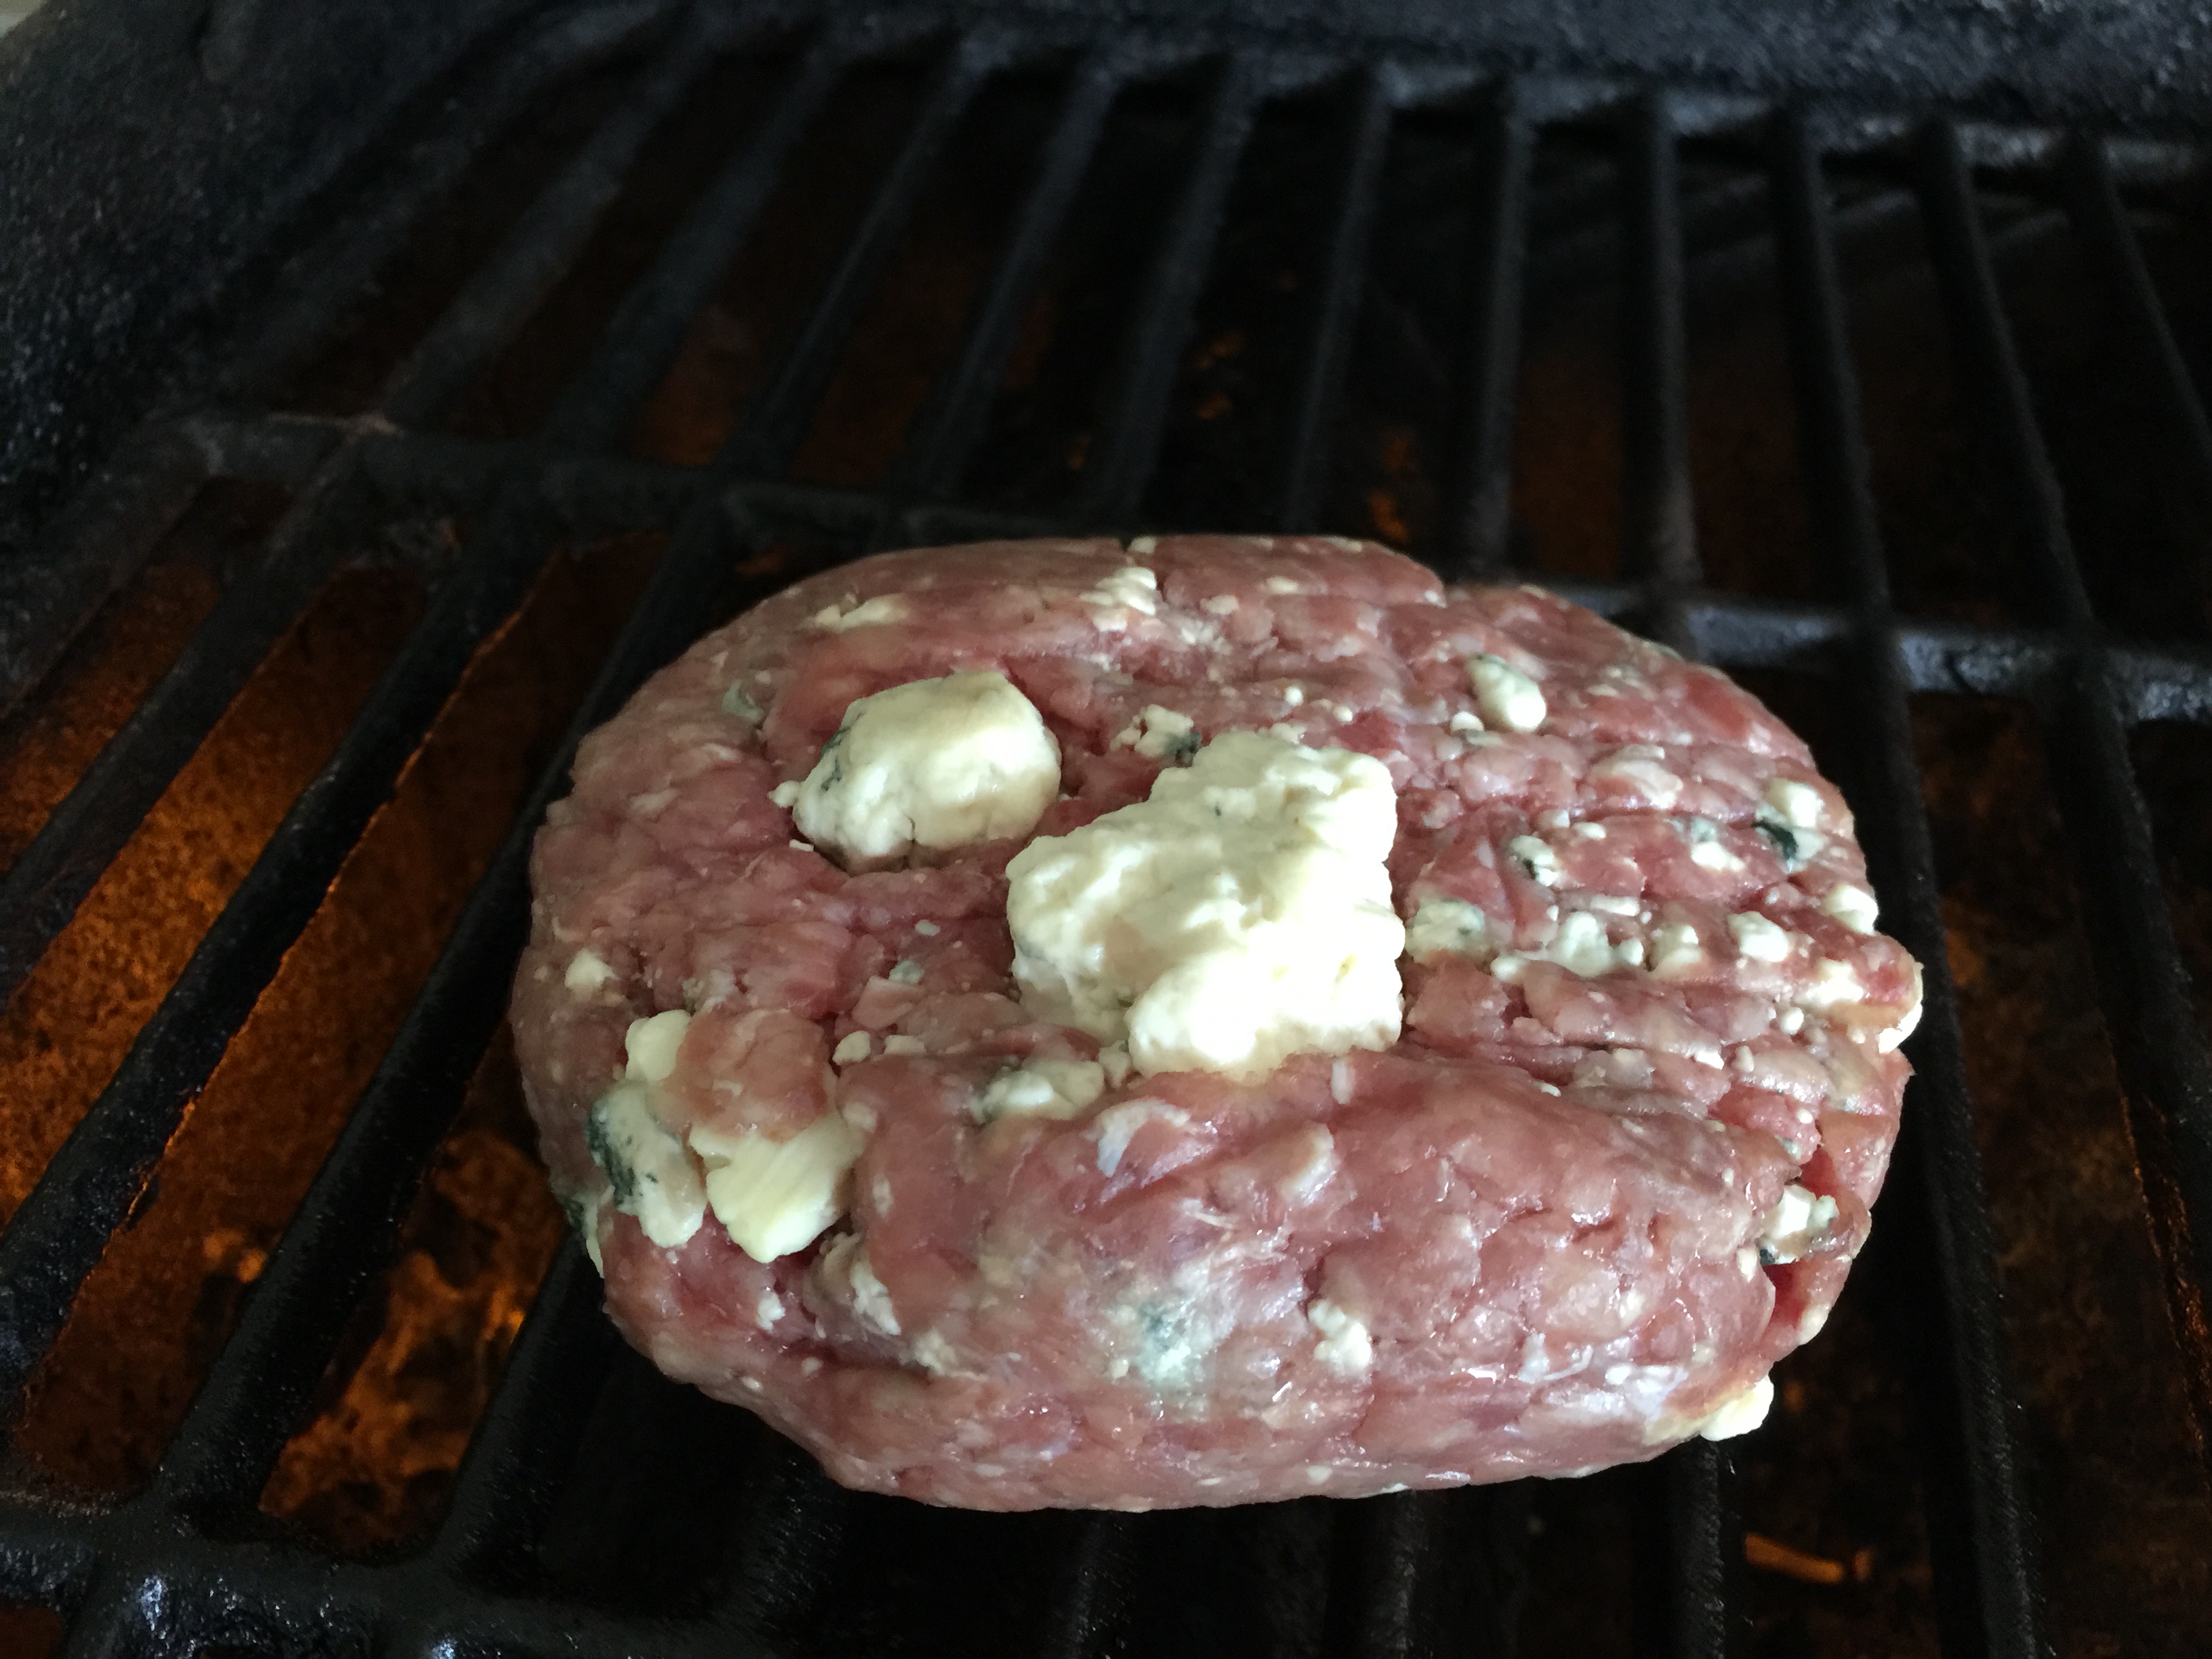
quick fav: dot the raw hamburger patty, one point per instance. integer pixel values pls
(1616, 1164)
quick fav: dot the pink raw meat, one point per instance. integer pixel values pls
(1544, 1205)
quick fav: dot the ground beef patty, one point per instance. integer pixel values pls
(1615, 1164)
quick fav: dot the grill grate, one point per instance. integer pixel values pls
(185, 1563)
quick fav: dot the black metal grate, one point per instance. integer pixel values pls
(186, 1564)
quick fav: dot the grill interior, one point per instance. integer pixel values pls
(1897, 416)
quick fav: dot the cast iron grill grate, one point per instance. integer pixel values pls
(188, 1563)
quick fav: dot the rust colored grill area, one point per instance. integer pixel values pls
(1900, 422)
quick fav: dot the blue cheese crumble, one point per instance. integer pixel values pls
(934, 763)
(1241, 914)
(1509, 699)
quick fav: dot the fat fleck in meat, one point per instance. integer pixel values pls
(1618, 1163)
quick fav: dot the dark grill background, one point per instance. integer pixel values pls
(1896, 416)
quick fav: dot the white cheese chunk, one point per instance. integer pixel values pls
(1449, 924)
(1795, 845)
(1740, 1414)
(776, 1196)
(1117, 1126)
(1889, 1040)
(1798, 1221)
(1131, 587)
(1637, 766)
(1508, 698)
(884, 608)
(1537, 858)
(651, 1176)
(1797, 805)
(1674, 949)
(1852, 906)
(1160, 733)
(587, 971)
(1707, 850)
(1833, 983)
(1759, 938)
(1042, 1088)
(1346, 1345)
(871, 1300)
(900, 1044)
(1581, 946)
(584, 1214)
(650, 1045)
(935, 763)
(1114, 1060)
(1240, 915)
(852, 1047)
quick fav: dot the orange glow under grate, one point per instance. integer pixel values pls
(170, 1286)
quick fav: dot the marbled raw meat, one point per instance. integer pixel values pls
(1527, 1239)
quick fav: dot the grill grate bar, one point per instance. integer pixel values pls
(55, 1237)
(141, 492)
(49, 879)
(952, 420)
(90, 549)
(1702, 1546)
(447, 472)
(1336, 311)
(1092, 1578)
(320, 282)
(648, 327)
(539, 1406)
(82, 836)
(2100, 223)
(2157, 1040)
(1838, 471)
(522, 1446)
(501, 296)
(143, 1578)
(1394, 1543)
(342, 1229)
(773, 428)
(1660, 536)
(1983, 339)
(1938, 1150)
(1478, 528)
(1127, 445)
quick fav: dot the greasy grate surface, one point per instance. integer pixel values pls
(1902, 422)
